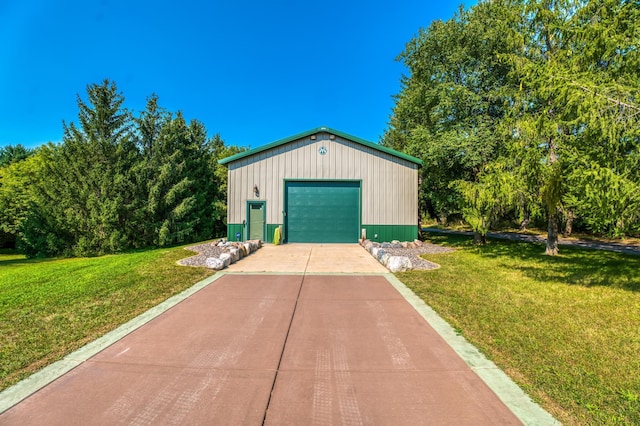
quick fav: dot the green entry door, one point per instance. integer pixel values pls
(322, 212)
(256, 211)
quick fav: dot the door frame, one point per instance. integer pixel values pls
(264, 218)
(285, 201)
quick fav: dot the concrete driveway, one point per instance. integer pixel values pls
(274, 349)
(294, 334)
(310, 258)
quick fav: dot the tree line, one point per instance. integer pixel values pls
(117, 181)
(527, 112)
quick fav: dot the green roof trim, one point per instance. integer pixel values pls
(343, 135)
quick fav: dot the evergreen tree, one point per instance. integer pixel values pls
(12, 153)
(89, 189)
(577, 108)
(117, 182)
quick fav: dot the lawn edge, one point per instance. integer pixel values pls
(528, 411)
(38, 380)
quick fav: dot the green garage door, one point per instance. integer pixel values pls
(322, 212)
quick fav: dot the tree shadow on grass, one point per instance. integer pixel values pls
(24, 261)
(573, 266)
(450, 240)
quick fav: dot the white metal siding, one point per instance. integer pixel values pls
(389, 183)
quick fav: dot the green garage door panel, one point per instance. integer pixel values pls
(322, 212)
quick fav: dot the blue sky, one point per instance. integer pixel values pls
(253, 71)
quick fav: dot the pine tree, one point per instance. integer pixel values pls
(89, 190)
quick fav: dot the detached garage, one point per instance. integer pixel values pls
(322, 186)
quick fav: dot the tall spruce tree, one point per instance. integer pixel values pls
(89, 189)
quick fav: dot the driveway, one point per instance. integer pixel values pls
(619, 247)
(281, 348)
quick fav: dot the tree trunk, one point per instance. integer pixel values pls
(552, 234)
(478, 238)
(568, 227)
(525, 221)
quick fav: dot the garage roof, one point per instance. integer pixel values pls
(313, 132)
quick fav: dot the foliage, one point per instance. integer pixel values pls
(447, 109)
(13, 153)
(52, 307)
(608, 202)
(88, 187)
(485, 200)
(548, 91)
(562, 327)
(17, 198)
(116, 182)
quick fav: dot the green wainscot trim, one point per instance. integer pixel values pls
(271, 229)
(233, 229)
(388, 233)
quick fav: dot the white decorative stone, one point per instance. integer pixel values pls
(385, 258)
(235, 254)
(214, 263)
(226, 258)
(398, 263)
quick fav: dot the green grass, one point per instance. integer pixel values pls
(49, 308)
(565, 328)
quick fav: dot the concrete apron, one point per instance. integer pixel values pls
(277, 349)
(310, 259)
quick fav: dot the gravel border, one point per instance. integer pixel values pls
(417, 262)
(204, 251)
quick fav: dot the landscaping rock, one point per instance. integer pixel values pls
(418, 243)
(385, 258)
(255, 244)
(226, 258)
(380, 253)
(214, 263)
(398, 263)
(235, 254)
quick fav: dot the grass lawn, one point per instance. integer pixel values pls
(49, 308)
(565, 328)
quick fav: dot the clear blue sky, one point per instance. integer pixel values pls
(253, 71)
